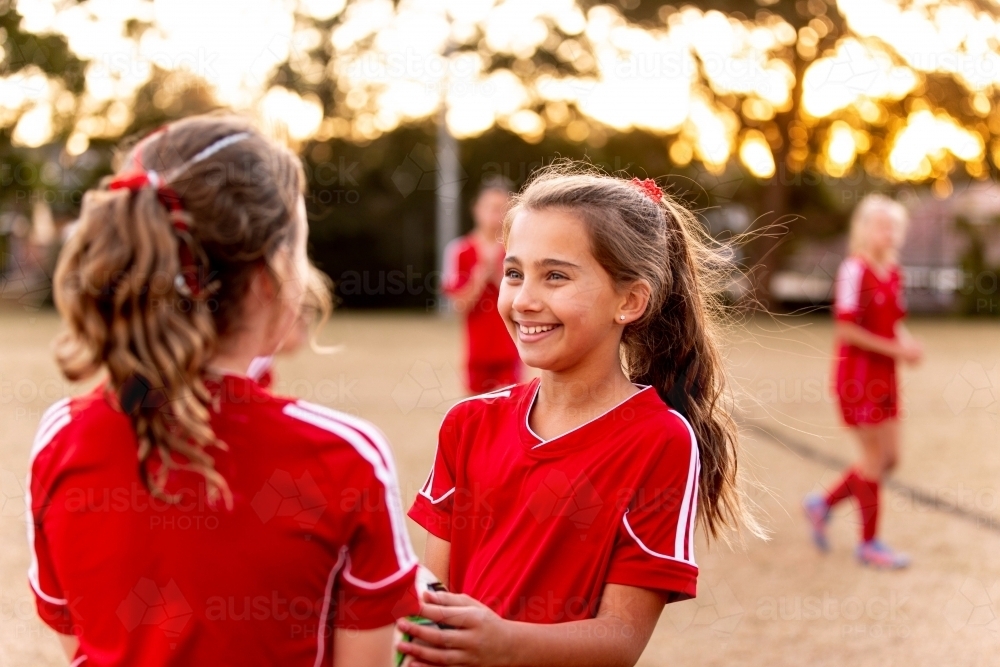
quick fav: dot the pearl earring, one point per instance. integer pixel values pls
(622, 317)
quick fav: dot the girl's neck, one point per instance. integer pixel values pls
(879, 260)
(234, 355)
(584, 389)
(568, 400)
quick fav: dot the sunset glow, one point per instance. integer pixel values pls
(404, 63)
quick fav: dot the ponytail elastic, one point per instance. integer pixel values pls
(649, 188)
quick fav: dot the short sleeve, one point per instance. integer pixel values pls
(52, 606)
(459, 262)
(434, 504)
(50, 600)
(847, 290)
(654, 547)
(379, 565)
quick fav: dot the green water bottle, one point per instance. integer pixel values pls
(426, 581)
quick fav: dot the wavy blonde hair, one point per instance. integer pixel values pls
(674, 346)
(116, 290)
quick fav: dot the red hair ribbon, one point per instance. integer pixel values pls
(137, 178)
(649, 188)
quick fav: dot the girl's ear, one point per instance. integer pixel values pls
(262, 287)
(635, 299)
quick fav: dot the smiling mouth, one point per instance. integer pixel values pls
(536, 329)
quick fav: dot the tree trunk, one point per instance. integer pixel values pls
(774, 215)
(770, 232)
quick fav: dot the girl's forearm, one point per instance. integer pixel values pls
(596, 642)
(860, 337)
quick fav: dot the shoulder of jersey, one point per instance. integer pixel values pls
(88, 411)
(677, 424)
(501, 398)
(853, 265)
(327, 425)
(666, 432)
(459, 245)
(667, 420)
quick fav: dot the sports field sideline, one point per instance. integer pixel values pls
(772, 604)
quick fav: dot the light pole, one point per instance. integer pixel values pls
(448, 193)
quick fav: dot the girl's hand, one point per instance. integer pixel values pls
(490, 255)
(479, 636)
(912, 352)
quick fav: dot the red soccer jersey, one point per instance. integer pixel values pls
(865, 381)
(315, 540)
(537, 528)
(488, 341)
(865, 299)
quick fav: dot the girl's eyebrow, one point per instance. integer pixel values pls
(511, 259)
(556, 262)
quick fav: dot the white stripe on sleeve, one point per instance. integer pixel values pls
(689, 503)
(377, 455)
(54, 420)
(427, 490)
(321, 629)
(686, 517)
(848, 290)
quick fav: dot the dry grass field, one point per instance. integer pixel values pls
(770, 604)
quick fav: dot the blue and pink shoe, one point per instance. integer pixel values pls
(875, 553)
(818, 514)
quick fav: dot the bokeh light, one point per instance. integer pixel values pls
(708, 80)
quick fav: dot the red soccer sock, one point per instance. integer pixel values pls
(867, 493)
(843, 489)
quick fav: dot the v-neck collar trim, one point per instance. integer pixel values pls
(542, 441)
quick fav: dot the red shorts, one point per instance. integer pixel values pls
(866, 389)
(487, 377)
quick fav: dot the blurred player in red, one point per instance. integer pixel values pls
(871, 338)
(179, 513)
(561, 513)
(473, 269)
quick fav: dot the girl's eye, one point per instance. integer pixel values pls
(556, 276)
(512, 274)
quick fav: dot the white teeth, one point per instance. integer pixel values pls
(539, 329)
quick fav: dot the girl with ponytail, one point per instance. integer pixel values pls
(562, 513)
(180, 513)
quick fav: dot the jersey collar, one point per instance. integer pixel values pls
(538, 445)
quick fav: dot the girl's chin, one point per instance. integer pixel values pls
(542, 362)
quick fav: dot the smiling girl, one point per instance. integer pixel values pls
(562, 512)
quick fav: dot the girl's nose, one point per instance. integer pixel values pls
(526, 301)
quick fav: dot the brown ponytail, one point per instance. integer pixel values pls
(117, 288)
(674, 345)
